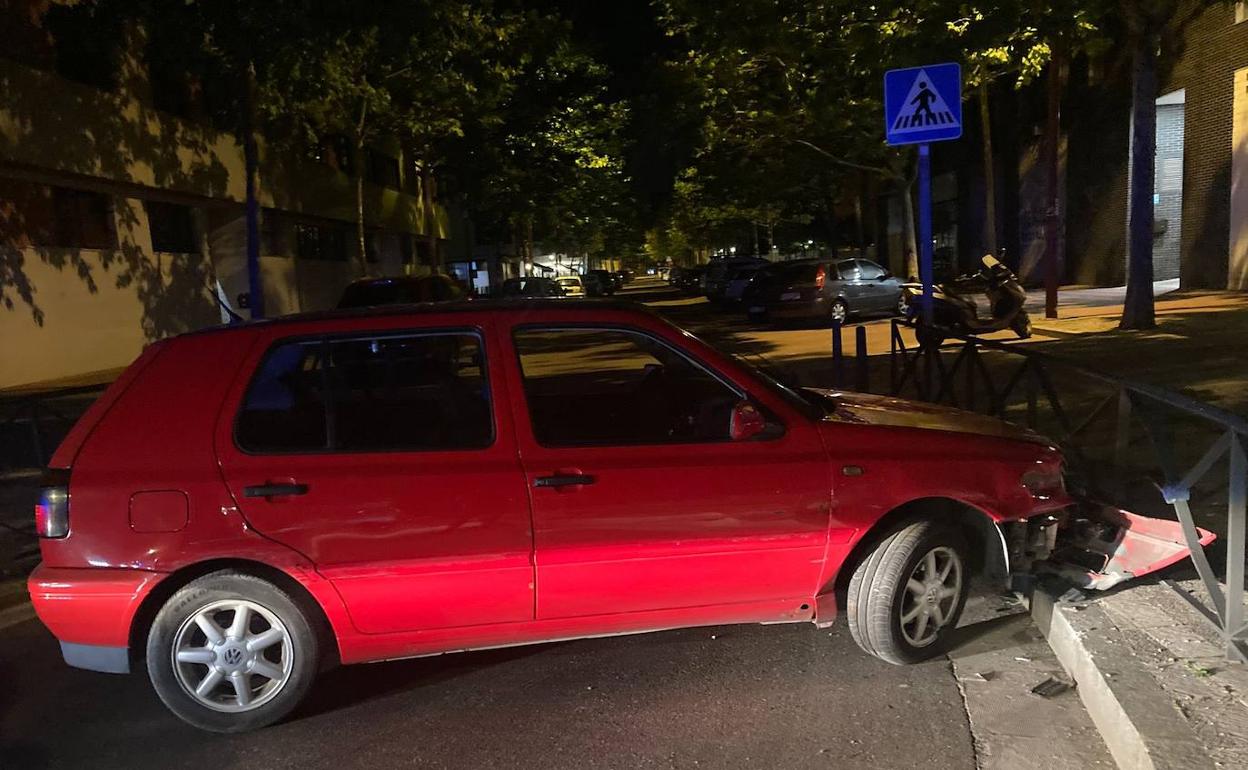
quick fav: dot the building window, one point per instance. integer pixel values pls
(172, 227)
(84, 39)
(382, 169)
(57, 217)
(84, 220)
(321, 242)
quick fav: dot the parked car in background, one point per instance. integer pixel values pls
(534, 286)
(738, 279)
(822, 288)
(718, 272)
(690, 280)
(571, 286)
(673, 275)
(366, 486)
(600, 283)
(626, 276)
(400, 290)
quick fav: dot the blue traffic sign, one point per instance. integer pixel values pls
(923, 104)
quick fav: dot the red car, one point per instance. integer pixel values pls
(246, 506)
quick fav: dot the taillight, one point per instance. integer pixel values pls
(820, 276)
(52, 510)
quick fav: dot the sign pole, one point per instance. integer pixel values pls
(925, 229)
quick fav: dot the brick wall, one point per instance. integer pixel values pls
(1209, 50)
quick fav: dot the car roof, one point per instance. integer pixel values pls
(590, 307)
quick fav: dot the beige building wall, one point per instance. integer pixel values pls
(65, 313)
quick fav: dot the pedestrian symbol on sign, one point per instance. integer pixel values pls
(929, 108)
(922, 104)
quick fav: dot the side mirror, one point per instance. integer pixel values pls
(886, 276)
(746, 422)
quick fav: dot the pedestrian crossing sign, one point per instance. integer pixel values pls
(923, 104)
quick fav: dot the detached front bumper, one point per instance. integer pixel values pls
(90, 610)
(1094, 546)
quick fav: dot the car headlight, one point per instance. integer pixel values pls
(1044, 483)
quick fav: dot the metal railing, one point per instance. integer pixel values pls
(1021, 385)
(31, 425)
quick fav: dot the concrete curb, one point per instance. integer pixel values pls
(1137, 719)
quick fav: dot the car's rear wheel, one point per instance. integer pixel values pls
(906, 595)
(839, 311)
(903, 305)
(230, 652)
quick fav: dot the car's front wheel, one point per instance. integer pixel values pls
(230, 652)
(906, 595)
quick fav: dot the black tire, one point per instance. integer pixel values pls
(901, 307)
(204, 592)
(878, 591)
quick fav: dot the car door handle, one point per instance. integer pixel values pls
(275, 490)
(563, 480)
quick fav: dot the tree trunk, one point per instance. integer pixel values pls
(251, 162)
(990, 172)
(361, 248)
(771, 236)
(757, 253)
(909, 241)
(431, 220)
(1052, 142)
(860, 233)
(1137, 311)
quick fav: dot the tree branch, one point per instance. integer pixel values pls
(885, 172)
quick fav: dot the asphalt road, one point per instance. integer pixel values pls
(790, 696)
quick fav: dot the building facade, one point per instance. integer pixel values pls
(122, 212)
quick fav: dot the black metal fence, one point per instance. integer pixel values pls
(32, 425)
(1141, 447)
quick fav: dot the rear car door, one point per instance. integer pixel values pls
(851, 284)
(382, 455)
(641, 502)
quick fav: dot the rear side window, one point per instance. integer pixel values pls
(848, 271)
(794, 271)
(383, 393)
(870, 270)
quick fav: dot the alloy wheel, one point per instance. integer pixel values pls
(233, 655)
(931, 594)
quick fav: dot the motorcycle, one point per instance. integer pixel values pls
(954, 307)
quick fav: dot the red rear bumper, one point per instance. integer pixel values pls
(89, 606)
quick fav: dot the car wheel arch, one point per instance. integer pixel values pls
(988, 551)
(141, 623)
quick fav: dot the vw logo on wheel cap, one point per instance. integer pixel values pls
(233, 656)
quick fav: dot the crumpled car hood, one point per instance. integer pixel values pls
(866, 409)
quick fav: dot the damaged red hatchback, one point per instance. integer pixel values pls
(248, 505)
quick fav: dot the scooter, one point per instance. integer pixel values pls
(954, 308)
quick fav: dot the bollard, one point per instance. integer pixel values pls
(838, 357)
(863, 381)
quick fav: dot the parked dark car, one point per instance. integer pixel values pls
(690, 279)
(720, 272)
(401, 290)
(624, 276)
(600, 283)
(531, 287)
(822, 288)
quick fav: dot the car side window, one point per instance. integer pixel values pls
(603, 387)
(870, 271)
(378, 393)
(848, 271)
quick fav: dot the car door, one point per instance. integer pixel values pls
(851, 285)
(880, 290)
(640, 501)
(383, 457)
